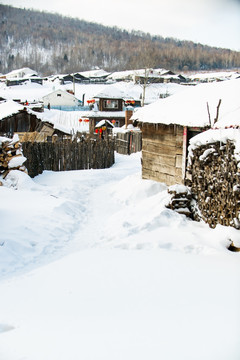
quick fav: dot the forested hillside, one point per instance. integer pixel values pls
(50, 43)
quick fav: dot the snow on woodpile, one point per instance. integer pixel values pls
(11, 158)
(214, 165)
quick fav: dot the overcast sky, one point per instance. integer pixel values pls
(211, 22)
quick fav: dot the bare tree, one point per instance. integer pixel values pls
(143, 81)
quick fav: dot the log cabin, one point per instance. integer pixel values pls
(168, 124)
(19, 119)
(15, 118)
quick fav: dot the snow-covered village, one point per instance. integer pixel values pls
(120, 214)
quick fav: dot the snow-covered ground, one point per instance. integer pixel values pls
(34, 92)
(94, 267)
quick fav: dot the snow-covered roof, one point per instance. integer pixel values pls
(94, 73)
(66, 121)
(21, 73)
(127, 74)
(221, 75)
(189, 107)
(8, 108)
(112, 92)
(65, 93)
(104, 122)
(151, 72)
(105, 114)
(121, 74)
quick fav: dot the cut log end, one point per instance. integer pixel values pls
(233, 248)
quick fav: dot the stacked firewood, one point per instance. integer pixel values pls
(11, 157)
(181, 199)
(216, 183)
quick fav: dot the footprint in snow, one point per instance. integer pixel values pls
(5, 327)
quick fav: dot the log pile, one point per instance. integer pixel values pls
(11, 157)
(215, 183)
(181, 200)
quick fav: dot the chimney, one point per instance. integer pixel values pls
(128, 114)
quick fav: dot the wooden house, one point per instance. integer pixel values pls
(16, 118)
(76, 77)
(21, 73)
(144, 76)
(109, 104)
(168, 124)
(96, 76)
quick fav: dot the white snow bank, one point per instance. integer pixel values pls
(123, 305)
(19, 180)
(16, 161)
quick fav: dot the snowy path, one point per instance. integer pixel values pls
(59, 213)
(94, 267)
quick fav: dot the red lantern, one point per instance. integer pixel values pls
(100, 130)
(91, 101)
(80, 120)
(96, 131)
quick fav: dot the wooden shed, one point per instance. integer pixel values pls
(15, 118)
(168, 124)
(164, 151)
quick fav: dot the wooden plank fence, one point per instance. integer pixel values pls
(128, 142)
(67, 154)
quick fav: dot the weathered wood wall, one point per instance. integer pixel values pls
(20, 122)
(162, 153)
(216, 184)
(66, 154)
(129, 142)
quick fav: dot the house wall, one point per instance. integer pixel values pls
(162, 153)
(59, 99)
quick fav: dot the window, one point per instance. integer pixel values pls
(59, 94)
(110, 104)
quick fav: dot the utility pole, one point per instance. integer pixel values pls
(73, 84)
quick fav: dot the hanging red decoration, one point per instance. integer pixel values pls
(80, 120)
(129, 102)
(92, 101)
